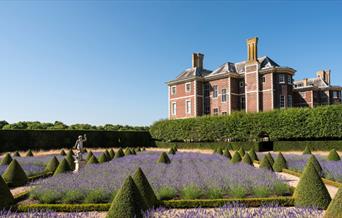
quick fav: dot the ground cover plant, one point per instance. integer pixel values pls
(188, 176)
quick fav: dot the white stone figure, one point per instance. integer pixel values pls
(79, 162)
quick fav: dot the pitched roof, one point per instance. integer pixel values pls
(192, 72)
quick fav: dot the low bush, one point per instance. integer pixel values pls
(102, 158)
(238, 192)
(333, 155)
(93, 160)
(335, 207)
(172, 151)
(227, 154)
(62, 152)
(236, 157)
(50, 197)
(247, 160)
(241, 152)
(281, 189)
(166, 193)
(316, 164)
(261, 191)
(119, 153)
(89, 155)
(164, 158)
(299, 145)
(6, 197)
(16, 154)
(279, 163)
(145, 188)
(191, 192)
(29, 153)
(252, 154)
(265, 164)
(14, 175)
(73, 197)
(52, 165)
(6, 160)
(214, 193)
(270, 158)
(111, 153)
(307, 150)
(63, 167)
(98, 196)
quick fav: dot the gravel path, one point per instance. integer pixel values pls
(19, 190)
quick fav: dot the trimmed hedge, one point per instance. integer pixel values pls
(318, 145)
(11, 140)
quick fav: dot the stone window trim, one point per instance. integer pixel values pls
(215, 91)
(188, 87)
(224, 95)
(173, 90)
(174, 108)
(188, 106)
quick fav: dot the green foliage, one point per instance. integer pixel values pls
(145, 188)
(311, 191)
(6, 160)
(111, 153)
(29, 153)
(265, 164)
(108, 156)
(253, 155)
(279, 163)
(63, 167)
(333, 155)
(14, 175)
(236, 157)
(16, 154)
(93, 160)
(50, 197)
(322, 145)
(164, 158)
(241, 152)
(70, 153)
(219, 151)
(52, 165)
(191, 192)
(172, 151)
(119, 153)
(214, 193)
(127, 152)
(307, 150)
(62, 152)
(247, 160)
(69, 157)
(133, 151)
(227, 154)
(6, 197)
(73, 197)
(89, 155)
(281, 188)
(98, 196)
(270, 158)
(128, 202)
(335, 207)
(166, 193)
(238, 191)
(102, 158)
(261, 191)
(316, 164)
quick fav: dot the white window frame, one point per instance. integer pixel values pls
(224, 95)
(289, 101)
(282, 101)
(173, 88)
(215, 91)
(188, 107)
(173, 108)
(215, 113)
(186, 85)
(281, 79)
(289, 79)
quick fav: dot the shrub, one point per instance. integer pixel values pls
(6, 160)
(214, 193)
(50, 197)
(270, 158)
(316, 164)
(261, 191)
(247, 160)
(166, 193)
(265, 163)
(333, 155)
(93, 160)
(6, 197)
(29, 153)
(52, 165)
(238, 191)
(102, 158)
(281, 188)
(71, 152)
(127, 152)
(164, 158)
(70, 160)
(14, 175)
(236, 157)
(335, 207)
(73, 197)
(97, 196)
(133, 151)
(172, 151)
(16, 154)
(119, 153)
(219, 151)
(191, 192)
(311, 191)
(227, 154)
(128, 202)
(89, 155)
(111, 153)
(63, 167)
(307, 150)
(145, 188)
(241, 152)
(62, 152)
(252, 154)
(108, 157)
(322, 144)
(279, 163)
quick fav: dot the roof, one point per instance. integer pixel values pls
(192, 72)
(315, 83)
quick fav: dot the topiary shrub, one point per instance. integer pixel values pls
(335, 207)
(93, 160)
(14, 175)
(236, 157)
(265, 164)
(138, 149)
(241, 152)
(247, 160)
(16, 154)
(62, 152)
(316, 164)
(89, 155)
(71, 152)
(107, 155)
(29, 153)
(333, 155)
(111, 153)
(52, 165)
(133, 151)
(164, 158)
(145, 188)
(311, 191)
(70, 160)
(127, 152)
(128, 202)
(307, 150)
(227, 154)
(119, 153)
(63, 167)
(270, 158)
(6, 160)
(172, 151)
(219, 151)
(253, 155)
(279, 163)
(102, 158)
(6, 197)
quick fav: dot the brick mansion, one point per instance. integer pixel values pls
(254, 85)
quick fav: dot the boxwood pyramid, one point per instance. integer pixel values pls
(14, 175)
(253, 155)
(236, 157)
(128, 202)
(29, 153)
(242, 152)
(219, 151)
(70, 160)
(106, 152)
(128, 152)
(145, 188)
(270, 158)
(133, 151)
(119, 153)
(316, 164)
(111, 153)
(172, 151)
(279, 163)
(63, 167)
(311, 191)
(89, 155)
(307, 150)
(62, 152)
(227, 154)
(6, 160)
(71, 152)
(93, 160)
(6, 197)
(16, 154)
(164, 158)
(335, 207)
(333, 155)
(102, 158)
(52, 165)
(265, 163)
(247, 160)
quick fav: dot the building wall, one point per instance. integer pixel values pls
(251, 87)
(303, 98)
(266, 92)
(180, 98)
(223, 107)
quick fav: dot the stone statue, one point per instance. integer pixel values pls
(79, 146)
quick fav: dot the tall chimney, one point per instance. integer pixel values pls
(252, 49)
(197, 60)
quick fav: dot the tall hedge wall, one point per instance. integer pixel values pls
(296, 123)
(11, 140)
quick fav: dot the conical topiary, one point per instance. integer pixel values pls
(144, 149)
(164, 158)
(6, 197)
(70, 160)
(241, 152)
(335, 207)
(333, 155)
(280, 163)
(175, 148)
(29, 153)
(16, 154)
(71, 152)
(307, 150)
(215, 151)
(311, 191)
(106, 152)
(172, 151)
(89, 155)
(316, 164)
(119, 153)
(14, 175)
(138, 149)
(128, 202)
(265, 163)
(128, 151)
(253, 155)
(52, 165)
(133, 151)
(145, 188)
(247, 159)
(227, 154)
(111, 153)
(236, 157)
(270, 158)
(102, 158)
(6, 160)
(93, 160)
(63, 167)
(219, 151)
(62, 152)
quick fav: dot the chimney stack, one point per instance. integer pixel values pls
(252, 49)
(324, 75)
(197, 60)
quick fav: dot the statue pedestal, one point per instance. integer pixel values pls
(79, 164)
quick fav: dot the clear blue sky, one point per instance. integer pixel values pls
(107, 62)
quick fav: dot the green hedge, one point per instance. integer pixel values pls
(326, 145)
(12, 140)
(323, 122)
(206, 145)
